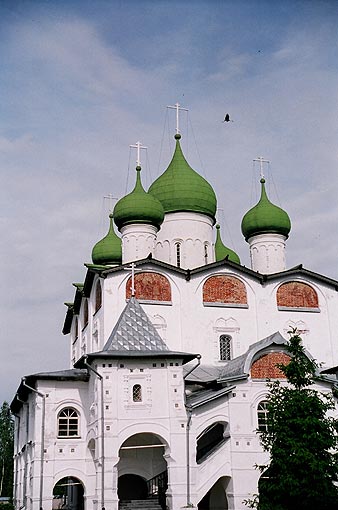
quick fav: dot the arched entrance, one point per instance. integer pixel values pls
(142, 469)
(68, 494)
(132, 487)
(215, 498)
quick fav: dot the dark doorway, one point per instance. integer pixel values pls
(68, 494)
(131, 487)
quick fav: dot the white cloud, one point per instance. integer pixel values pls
(74, 103)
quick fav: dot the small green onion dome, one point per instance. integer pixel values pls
(180, 188)
(265, 218)
(221, 251)
(138, 207)
(109, 249)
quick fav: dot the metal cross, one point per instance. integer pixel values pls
(133, 269)
(261, 160)
(178, 107)
(110, 198)
(138, 146)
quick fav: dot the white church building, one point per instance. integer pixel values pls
(171, 343)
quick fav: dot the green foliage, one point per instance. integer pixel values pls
(6, 451)
(301, 438)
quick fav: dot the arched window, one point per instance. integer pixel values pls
(206, 253)
(210, 439)
(137, 393)
(98, 297)
(178, 254)
(262, 415)
(68, 422)
(225, 347)
(76, 329)
(85, 313)
(297, 295)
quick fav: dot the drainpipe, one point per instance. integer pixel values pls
(99, 376)
(189, 411)
(26, 450)
(43, 396)
(16, 455)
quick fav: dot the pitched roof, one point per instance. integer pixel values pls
(134, 331)
(238, 368)
(202, 397)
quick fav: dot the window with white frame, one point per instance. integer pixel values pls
(85, 313)
(262, 415)
(98, 297)
(68, 423)
(225, 347)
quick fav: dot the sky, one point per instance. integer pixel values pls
(80, 81)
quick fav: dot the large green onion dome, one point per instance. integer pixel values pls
(138, 207)
(221, 251)
(109, 249)
(180, 188)
(265, 218)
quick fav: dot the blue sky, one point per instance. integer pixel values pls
(82, 80)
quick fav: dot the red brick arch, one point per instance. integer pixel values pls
(224, 289)
(150, 287)
(265, 367)
(297, 295)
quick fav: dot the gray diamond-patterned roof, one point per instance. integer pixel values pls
(134, 331)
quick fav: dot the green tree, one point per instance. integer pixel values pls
(301, 438)
(6, 451)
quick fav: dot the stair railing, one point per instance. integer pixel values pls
(157, 486)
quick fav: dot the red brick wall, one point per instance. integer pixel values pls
(265, 367)
(150, 286)
(224, 289)
(296, 295)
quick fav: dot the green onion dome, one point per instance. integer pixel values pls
(109, 249)
(265, 218)
(180, 188)
(138, 207)
(221, 251)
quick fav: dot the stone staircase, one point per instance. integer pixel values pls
(140, 504)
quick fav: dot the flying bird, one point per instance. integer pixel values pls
(227, 118)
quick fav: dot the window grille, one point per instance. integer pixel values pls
(206, 253)
(178, 254)
(262, 415)
(137, 393)
(225, 347)
(68, 423)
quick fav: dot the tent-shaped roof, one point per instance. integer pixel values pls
(134, 331)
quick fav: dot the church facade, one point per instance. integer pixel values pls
(172, 341)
